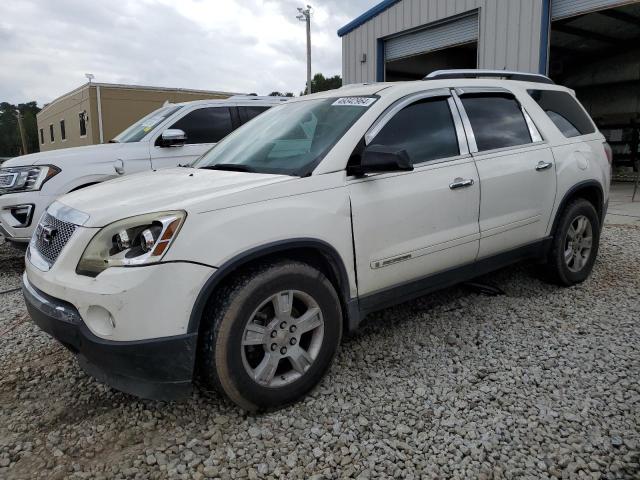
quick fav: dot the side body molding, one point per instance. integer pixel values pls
(349, 305)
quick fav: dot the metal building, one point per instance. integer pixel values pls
(592, 46)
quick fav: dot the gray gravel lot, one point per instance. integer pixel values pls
(540, 382)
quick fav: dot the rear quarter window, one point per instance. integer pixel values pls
(564, 111)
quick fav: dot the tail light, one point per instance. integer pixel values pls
(609, 152)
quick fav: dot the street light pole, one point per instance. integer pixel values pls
(305, 16)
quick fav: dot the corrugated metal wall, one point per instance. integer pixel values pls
(509, 33)
(567, 8)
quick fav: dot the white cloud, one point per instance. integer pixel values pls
(232, 45)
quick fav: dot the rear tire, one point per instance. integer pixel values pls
(575, 244)
(270, 335)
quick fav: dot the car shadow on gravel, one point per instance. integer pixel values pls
(522, 280)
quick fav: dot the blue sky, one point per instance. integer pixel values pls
(232, 45)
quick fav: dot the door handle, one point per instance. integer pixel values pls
(543, 166)
(461, 183)
(118, 166)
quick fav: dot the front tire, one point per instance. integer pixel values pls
(270, 335)
(575, 244)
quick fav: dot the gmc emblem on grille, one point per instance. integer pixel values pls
(46, 234)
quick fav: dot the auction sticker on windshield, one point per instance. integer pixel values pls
(354, 101)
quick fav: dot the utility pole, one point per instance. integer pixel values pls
(22, 136)
(305, 16)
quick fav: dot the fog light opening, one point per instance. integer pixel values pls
(100, 320)
(23, 214)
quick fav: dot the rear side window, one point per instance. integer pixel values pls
(248, 113)
(564, 111)
(497, 121)
(424, 129)
(205, 125)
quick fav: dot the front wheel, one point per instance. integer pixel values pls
(271, 334)
(575, 244)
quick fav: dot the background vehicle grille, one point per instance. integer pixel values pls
(63, 231)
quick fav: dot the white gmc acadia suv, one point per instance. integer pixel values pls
(174, 134)
(243, 270)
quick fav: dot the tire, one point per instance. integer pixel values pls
(559, 268)
(243, 372)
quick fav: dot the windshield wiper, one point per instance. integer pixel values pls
(231, 167)
(113, 141)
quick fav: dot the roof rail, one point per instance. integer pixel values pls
(258, 97)
(476, 73)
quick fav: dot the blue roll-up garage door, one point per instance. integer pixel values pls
(569, 8)
(456, 32)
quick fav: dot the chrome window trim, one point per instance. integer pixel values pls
(533, 130)
(471, 138)
(398, 105)
(472, 90)
(67, 214)
(508, 150)
(463, 145)
(534, 133)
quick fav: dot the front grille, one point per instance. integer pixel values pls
(51, 236)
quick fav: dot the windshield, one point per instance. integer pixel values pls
(142, 127)
(289, 139)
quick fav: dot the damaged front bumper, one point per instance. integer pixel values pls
(159, 368)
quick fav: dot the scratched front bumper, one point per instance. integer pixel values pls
(159, 369)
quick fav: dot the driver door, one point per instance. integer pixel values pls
(410, 225)
(204, 127)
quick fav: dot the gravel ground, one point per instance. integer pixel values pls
(538, 383)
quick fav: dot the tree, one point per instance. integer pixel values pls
(10, 144)
(9, 136)
(320, 83)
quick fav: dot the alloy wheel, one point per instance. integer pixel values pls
(282, 338)
(578, 243)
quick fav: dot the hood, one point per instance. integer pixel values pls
(63, 155)
(190, 189)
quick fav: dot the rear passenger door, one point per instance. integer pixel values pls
(515, 166)
(408, 225)
(204, 127)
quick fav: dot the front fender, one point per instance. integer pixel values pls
(85, 180)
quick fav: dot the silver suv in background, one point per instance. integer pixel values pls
(174, 134)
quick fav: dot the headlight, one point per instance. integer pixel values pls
(23, 179)
(133, 241)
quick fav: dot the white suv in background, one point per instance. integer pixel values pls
(244, 270)
(172, 135)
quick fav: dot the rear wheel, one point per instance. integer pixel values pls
(575, 244)
(270, 335)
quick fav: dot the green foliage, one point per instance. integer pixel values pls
(10, 144)
(320, 83)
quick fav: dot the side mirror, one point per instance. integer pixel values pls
(173, 137)
(379, 158)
